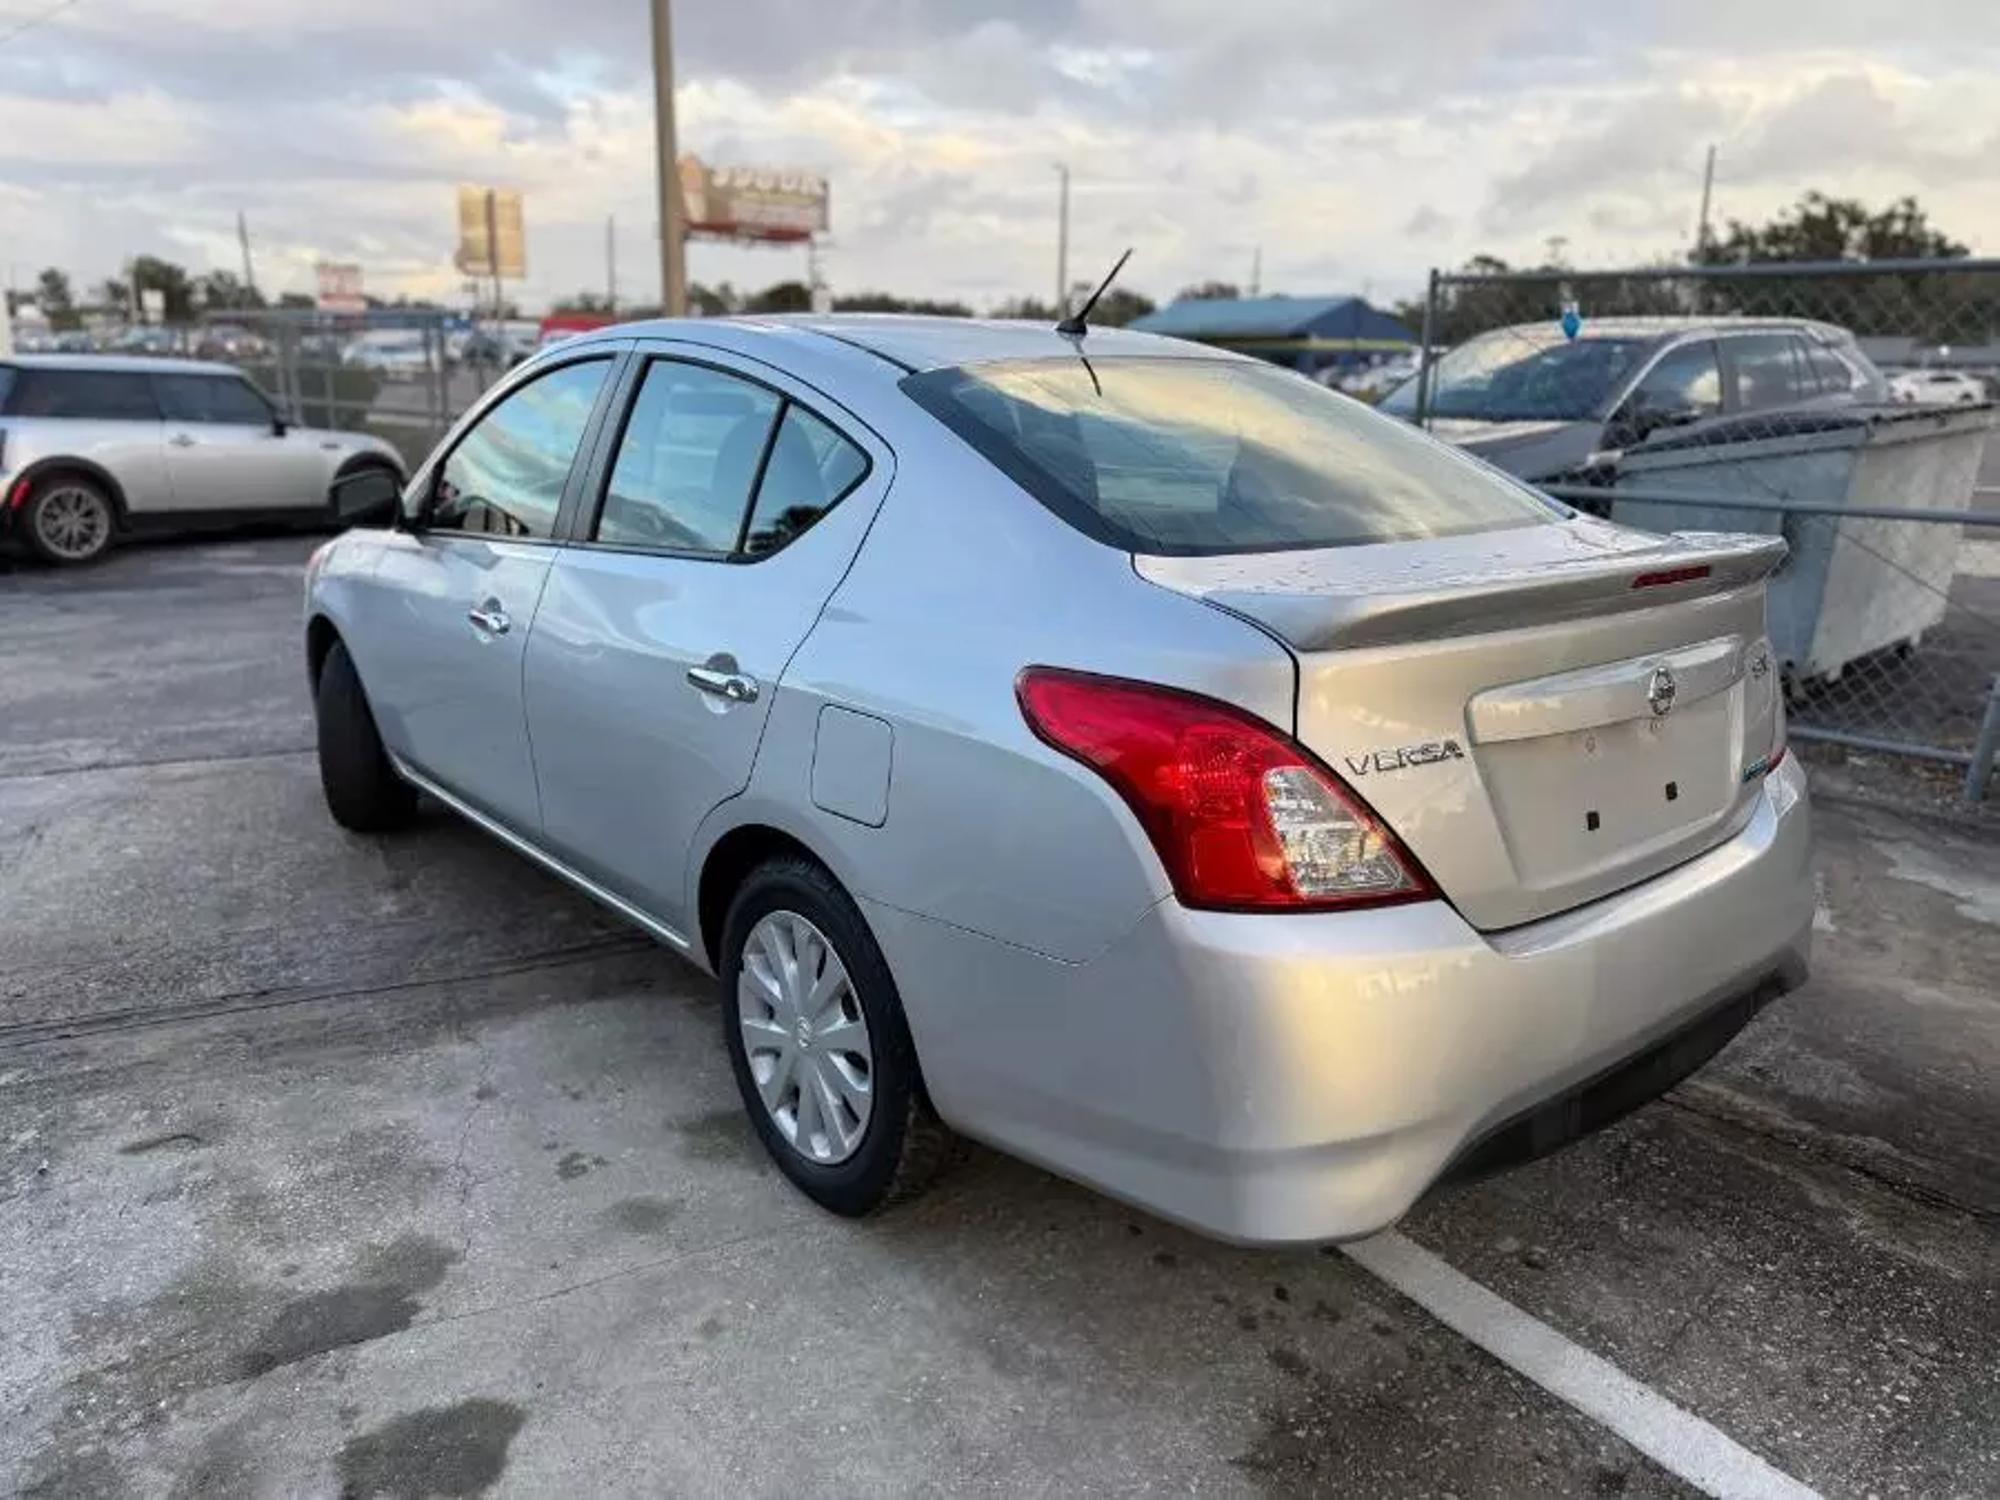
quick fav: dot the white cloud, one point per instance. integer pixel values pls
(1354, 143)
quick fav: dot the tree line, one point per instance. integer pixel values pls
(1934, 305)
(1817, 228)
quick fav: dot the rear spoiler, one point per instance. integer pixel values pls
(1686, 565)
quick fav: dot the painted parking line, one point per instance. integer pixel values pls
(1676, 1439)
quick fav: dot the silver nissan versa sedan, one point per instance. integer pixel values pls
(1136, 757)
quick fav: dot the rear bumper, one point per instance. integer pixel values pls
(1279, 1079)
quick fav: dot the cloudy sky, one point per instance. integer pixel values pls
(1354, 143)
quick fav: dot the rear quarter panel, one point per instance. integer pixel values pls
(963, 582)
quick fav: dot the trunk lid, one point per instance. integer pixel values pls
(1544, 715)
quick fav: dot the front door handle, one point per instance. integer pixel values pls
(489, 617)
(734, 686)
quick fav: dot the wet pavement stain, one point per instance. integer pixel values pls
(721, 1135)
(442, 1450)
(643, 1215)
(576, 1163)
(184, 1140)
(381, 1300)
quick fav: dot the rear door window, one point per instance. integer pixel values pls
(6, 385)
(212, 398)
(686, 461)
(95, 395)
(1194, 457)
(700, 442)
(1830, 371)
(810, 469)
(1768, 370)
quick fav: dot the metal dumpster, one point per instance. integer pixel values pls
(1852, 585)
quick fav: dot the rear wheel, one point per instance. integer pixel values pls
(363, 791)
(69, 519)
(820, 1047)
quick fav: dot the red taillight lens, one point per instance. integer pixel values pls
(1666, 576)
(1243, 818)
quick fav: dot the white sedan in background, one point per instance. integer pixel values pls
(1937, 388)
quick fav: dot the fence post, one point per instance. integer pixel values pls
(1424, 353)
(289, 363)
(1981, 769)
(440, 392)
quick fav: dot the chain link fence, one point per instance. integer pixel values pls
(402, 375)
(1847, 407)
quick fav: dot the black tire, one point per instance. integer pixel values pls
(363, 791)
(69, 519)
(904, 1146)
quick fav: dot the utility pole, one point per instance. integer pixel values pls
(493, 247)
(1256, 269)
(673, 239)
(611, 263)
(1707, 186)
(243, 239)
(1062, 243)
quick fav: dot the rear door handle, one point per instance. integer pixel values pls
(181, 440)
(734, 686)
(489, 617)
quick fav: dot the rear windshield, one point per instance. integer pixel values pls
(1526, 375)
(1191, 457)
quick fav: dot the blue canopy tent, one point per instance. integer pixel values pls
(1306, 333)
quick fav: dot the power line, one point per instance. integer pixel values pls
(33, 21)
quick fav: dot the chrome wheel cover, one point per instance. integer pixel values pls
(73, 523)
(805, 1037)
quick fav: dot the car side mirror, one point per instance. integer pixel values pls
(367, 495)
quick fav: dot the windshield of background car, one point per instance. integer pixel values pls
(1186, 457)
(1518, 375)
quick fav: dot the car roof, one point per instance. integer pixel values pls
(1673, 326)
(926, 343)
(118, 364)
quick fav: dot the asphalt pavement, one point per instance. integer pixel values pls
(332, 1165)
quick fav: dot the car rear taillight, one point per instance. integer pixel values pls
(1243, 818)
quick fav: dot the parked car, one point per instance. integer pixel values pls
(1371, 381)
(1937, 388)
(1127, 754)
(396, 353)
(1544, 405)
(229, 342)
(92, 446)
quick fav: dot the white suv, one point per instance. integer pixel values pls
(94, 445)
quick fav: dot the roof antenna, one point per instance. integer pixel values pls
(1073, 325)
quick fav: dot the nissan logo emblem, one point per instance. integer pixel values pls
(1660, 692)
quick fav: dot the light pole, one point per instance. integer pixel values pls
(1062, 244)
(673, 239)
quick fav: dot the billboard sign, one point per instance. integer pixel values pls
(339, 287)
(752, 203)
(492, 239)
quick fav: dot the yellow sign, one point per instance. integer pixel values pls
(489, 221)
